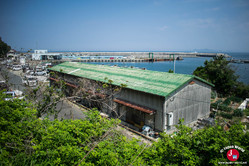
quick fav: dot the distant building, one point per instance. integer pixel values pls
(44, 55)
(156, 99)
(12, 54)
(22, 60)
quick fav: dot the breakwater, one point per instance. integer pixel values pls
(145, 55)
(239, 61)
(116, 60)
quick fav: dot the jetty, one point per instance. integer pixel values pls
(239, 61)
(142, 55)
(118, 56)
(118, 60)
(132, 56)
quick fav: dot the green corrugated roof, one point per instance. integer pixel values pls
(154, 82)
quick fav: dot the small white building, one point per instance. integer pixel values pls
(244, 104)
(22, 60)
(44, 55)
(12, 54)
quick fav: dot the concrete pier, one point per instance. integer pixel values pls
(117, 60)
(144, 55)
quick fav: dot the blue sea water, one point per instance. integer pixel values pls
(188, 65)
(241, 69)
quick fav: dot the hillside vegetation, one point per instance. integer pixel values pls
(28, 140)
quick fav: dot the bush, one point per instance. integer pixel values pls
(212, 115)
(225, 108)
(226, 115)
(214, 105)
(227, 101)
(236, 99)
(246, 112)
(213, 95)
(237, 113)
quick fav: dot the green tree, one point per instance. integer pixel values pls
(242, 90)
(18, 124)
(28, 140)
(4, 48)
(171, 71)
(218, 72)
(201, 147)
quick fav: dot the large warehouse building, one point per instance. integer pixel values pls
(156, 99)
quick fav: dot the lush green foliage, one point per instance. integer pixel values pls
(4, 48)
(238, 113)
(219, 72)
(232, 99)
(27, 140)
(171, 71)
(223, 106)
(246, 112)
(226, 115)
(201, 147)
(242, 90)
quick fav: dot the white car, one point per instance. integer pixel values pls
(17, 67)
(30, 80)
(40, 73)
(29, 72)
(16, 94)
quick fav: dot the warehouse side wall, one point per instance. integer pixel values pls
(148, 100)
(190, 102)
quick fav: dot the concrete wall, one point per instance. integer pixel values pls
(191, 102)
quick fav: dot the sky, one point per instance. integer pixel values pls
(126, 25)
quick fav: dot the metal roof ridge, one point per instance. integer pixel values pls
(203, 80)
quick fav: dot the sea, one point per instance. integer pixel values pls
(188, 65)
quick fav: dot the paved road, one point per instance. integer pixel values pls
(69, 111)
(14, 79)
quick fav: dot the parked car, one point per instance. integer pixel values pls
(30, 80)
(4, 62)
(17, 67)
(29, 72)
(40, 73)
(16, 94)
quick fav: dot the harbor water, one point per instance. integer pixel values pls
(188, 65)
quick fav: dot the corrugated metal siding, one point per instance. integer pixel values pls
(191, 102)
(158, 83)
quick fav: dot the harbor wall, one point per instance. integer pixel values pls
(143, 55)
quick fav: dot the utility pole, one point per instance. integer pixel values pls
(174, 63)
